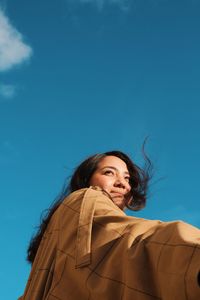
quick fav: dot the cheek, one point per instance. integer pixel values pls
(103, 183)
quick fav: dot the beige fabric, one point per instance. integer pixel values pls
(93, 251)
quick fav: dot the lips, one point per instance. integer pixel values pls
(117, 194)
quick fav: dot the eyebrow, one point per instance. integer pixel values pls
(111, 167)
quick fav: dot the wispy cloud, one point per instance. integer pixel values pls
(100, 4)
(13, 50)
(7, 91)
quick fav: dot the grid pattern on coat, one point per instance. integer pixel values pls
(92, 250)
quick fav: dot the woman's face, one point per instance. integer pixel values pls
(113, 176)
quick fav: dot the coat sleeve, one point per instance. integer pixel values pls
(92, 250)
(150, 258)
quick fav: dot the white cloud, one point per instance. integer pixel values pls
(13, 50)
(100, 4)
(7, 91)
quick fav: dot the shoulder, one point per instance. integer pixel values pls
(90, 192)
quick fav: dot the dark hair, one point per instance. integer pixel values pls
(139, 179)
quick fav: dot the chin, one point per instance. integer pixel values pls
(119, 203)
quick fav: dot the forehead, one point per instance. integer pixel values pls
(113, 161)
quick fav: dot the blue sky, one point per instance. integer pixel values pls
(81, 77)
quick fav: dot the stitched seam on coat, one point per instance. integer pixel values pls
(144, 240)
(54, 297)
(83, 212)
(129, 287)
(114, 280)
(111, 279)
(60, 276)
(185, 286)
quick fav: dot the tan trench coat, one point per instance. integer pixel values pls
(93, 251)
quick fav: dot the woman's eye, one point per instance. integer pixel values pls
(108, 172)
(127, 179)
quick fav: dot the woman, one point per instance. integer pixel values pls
(87, 248)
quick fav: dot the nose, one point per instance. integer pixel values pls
(120, 182)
